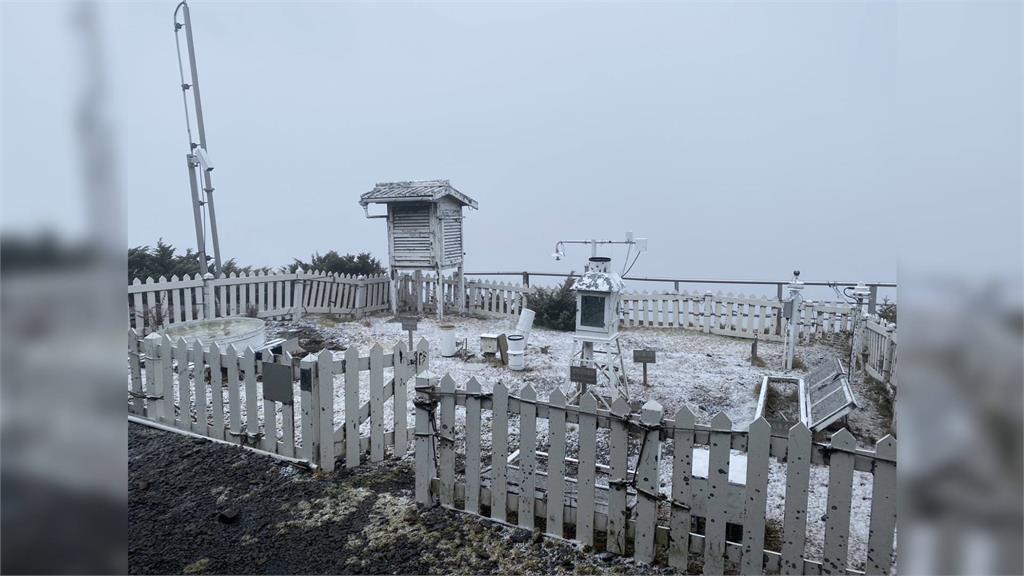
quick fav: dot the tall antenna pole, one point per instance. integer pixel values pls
(198, 157)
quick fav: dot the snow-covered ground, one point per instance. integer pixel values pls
(708, 373)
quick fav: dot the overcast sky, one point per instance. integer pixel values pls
(744, 140)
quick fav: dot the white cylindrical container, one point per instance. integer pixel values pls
(525, 323)
(516, 360)
(516, 344)
(448, 347)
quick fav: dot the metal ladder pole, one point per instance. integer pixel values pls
(194, 86)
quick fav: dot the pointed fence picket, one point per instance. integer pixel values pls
(590, 508)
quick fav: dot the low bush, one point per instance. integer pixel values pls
(555, 308)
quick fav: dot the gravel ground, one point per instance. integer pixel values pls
(199, 507)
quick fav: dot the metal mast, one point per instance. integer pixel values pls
(197, 157)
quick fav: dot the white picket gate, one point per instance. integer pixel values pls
(878, 342)
(626, 506)
(219, 394)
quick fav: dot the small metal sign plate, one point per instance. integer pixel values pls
(409, 322)
(277, 383)
(583, 375)
(646, 356)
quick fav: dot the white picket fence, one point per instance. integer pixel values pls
(625, 505)
(732, 315)
(219, 394)
(159, 302)
(878, 341)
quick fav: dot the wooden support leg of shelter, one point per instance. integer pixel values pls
(439, 294)
(394, 291)
(417, 288)
(460, 294)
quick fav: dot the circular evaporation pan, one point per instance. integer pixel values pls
(238, 332)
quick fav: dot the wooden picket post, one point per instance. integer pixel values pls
(307, 384)
(883, 508)
(376, 403)
(798, 461)
(154, 377)
(199, 425)
(527, 455)
(647, 483)
(840, 490)
(499, 452)
(136, 401)
(587, 469)
(682, 474)
(556, 463)
(759, 437)
(402, 371)
(424, 439)
(252, 415)
(446, 442)
(352, 407)
(473, 446)
(325, 419)
(718, 486)
(234, 394)
(618, 438)
(216, 392)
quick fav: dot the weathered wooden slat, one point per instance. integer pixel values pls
(252, 411)
(424, 441)
(287, 415)
(351, 407)
(402, 372)
(234, 394)
(527, 455)
(837, 514)
(756, 496)
(269, 440)
(798, 452)
(618, 439)
(588, 459)
(216, 392)
(167, 354)
(199, 425)
(647, 485)
(136, 402)
(556, 463)
(446, 442)
(682, 471)
(718, 483)
(499, 452)
(325, 420)
(473, 446)
(307, 383)
(377, 403)
(883, 509)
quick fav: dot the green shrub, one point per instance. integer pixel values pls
(555, 308)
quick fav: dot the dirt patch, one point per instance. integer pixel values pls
(199, 507)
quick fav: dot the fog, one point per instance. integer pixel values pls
(742, 140)
(854, 141)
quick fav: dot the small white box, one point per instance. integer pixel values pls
(488, 343)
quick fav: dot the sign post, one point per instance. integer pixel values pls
(582, 376)
(645, 357)
(409, 324)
